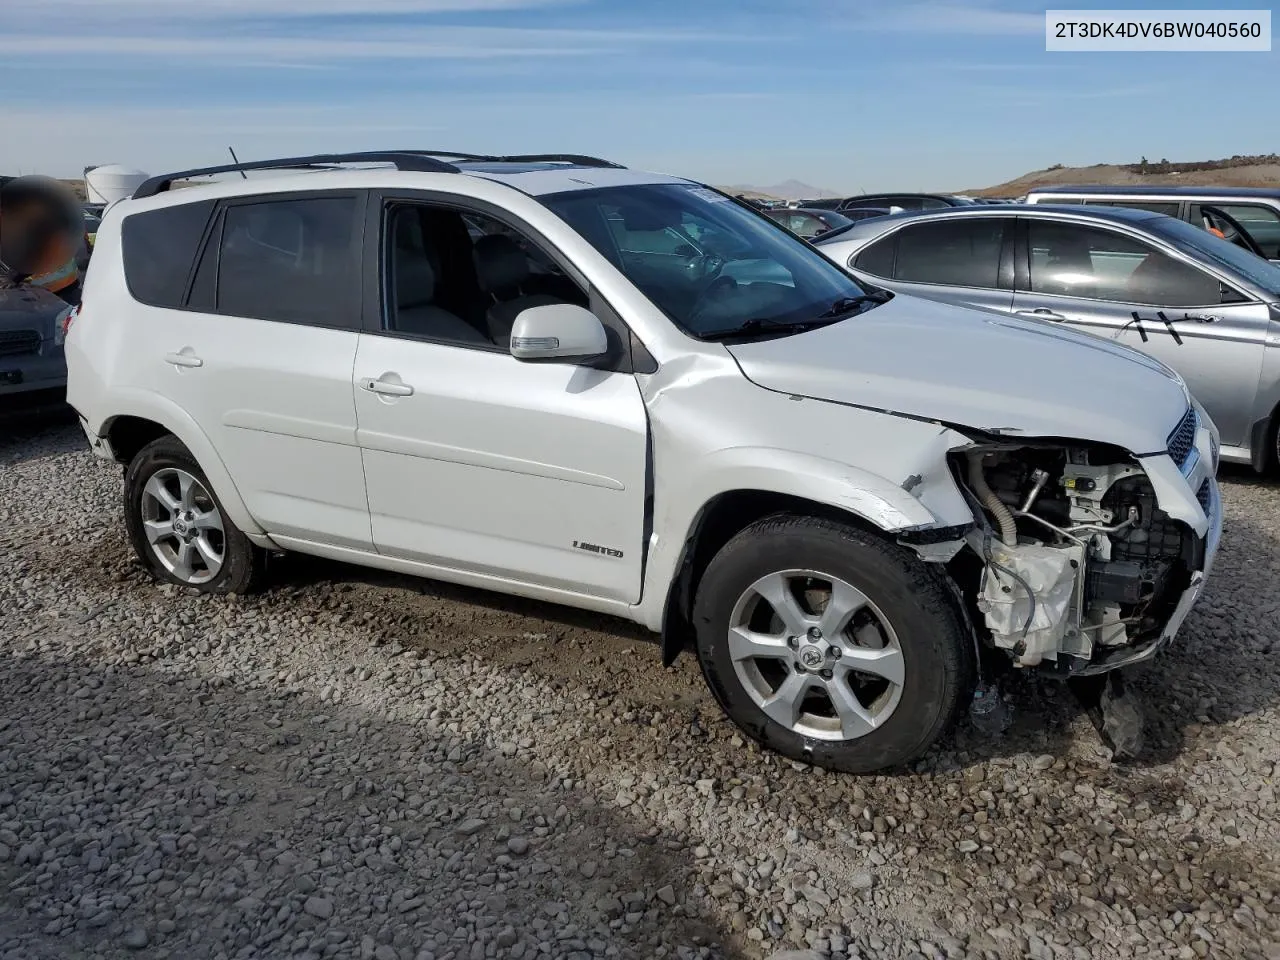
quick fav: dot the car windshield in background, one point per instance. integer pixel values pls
(1263, 274)
(713, 266)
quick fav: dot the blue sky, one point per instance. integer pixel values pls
(842, 94)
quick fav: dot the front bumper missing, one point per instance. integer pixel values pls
(1131, 655)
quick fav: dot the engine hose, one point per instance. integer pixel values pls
(998, 508)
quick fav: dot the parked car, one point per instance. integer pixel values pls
(905, 201)
(808, 223)
(91, 223)
(32, 365)
(783, 475)
(1112, 271)
(820, 203)
(866, 213)
(1254, 209)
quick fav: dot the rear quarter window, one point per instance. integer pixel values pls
(158, 248)
(877, 259)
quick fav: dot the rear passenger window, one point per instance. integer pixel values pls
(963, 253)
(158, 247)
(296, 261)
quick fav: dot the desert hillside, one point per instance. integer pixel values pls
(1242, 171)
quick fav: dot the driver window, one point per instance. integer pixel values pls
(1262, 223)
(462, 277)
(1085, 262)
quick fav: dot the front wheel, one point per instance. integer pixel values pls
(177, 526)
(831, 646)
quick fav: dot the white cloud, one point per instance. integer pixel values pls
(294, 45)
(941, 16)
(152, 11)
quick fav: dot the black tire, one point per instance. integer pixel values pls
(242, 562)
(912, 596)
(1271, 461)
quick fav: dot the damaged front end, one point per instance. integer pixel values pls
(1075, 564)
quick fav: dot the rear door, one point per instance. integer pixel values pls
(1097, 279)
(261, 353)
(966, 260)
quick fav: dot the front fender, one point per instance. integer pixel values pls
(128, 402)
(925, 497)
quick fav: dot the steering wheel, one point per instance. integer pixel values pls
(711, 294)
(1225, 230)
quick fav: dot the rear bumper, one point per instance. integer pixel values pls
(100, 446)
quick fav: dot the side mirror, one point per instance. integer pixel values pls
(559, 332)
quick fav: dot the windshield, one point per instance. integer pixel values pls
(835, 221)
(1263, 274)
(708, 263)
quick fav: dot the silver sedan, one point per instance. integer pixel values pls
(1207, 308)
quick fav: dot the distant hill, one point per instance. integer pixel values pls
(787, 190)
(1241, 171)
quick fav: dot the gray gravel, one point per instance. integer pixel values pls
(359, 765)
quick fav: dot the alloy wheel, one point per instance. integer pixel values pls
(183, 526)
(816, 655)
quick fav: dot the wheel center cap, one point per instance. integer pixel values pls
(812, 656)
(180, 526)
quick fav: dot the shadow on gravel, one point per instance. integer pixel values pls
(1221, 641)
(28, 433)
(200, 819)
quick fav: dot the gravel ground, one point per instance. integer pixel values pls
(354, 764)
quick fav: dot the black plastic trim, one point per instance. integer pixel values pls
(403, 160)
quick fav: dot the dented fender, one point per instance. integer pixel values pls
(910, 487)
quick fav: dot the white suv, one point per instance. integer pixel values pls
(627, 392)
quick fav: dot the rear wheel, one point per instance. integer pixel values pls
(831, 646)
(178, 527)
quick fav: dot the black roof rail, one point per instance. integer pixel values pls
(577, 159)
(421, 161)
(574, 158)
(416, 160)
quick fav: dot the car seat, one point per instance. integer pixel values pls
(503, 269)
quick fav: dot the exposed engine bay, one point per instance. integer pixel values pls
(1079, 564)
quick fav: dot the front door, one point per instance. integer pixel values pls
(1096, 279)
(476, 462)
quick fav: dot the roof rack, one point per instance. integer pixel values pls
(575, 158)
(403, 160)
(422, 161)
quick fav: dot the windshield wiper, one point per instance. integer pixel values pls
(847, 304)
(764, 325)
(839, 310)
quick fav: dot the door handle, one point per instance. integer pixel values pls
(387, 388)
(1042, 313)
(183, 359)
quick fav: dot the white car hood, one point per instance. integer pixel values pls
(979, 369)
